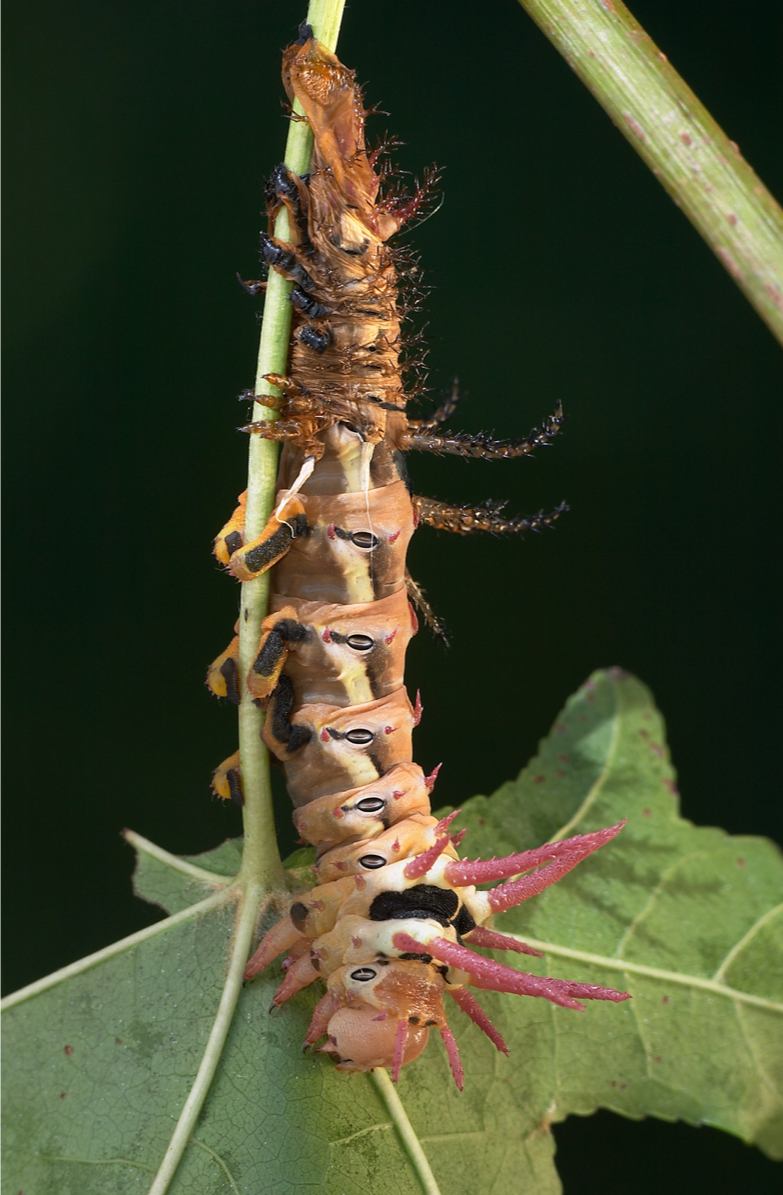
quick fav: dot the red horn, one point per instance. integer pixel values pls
(455, 1062)
(497, 977)
(494, 941)
(481, 871)
(470, 1005)
(420, 864)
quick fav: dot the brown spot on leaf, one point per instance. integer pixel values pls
(666, 1000)
(686, 140)
(732, 219)
(538, 779)
(740, 863)
(68, 1050)
(646, 813)
(672, 787)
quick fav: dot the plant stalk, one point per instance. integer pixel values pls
(672, 131)
(260, 859)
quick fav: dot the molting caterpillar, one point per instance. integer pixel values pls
(392, 924)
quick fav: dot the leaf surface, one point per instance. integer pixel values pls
(687, 919)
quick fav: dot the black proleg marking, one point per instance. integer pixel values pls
(228, 670)
(276, 545)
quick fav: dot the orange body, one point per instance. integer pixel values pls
(387, 924)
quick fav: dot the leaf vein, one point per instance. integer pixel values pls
(217, 1158)
(387, 1091)
(743, 942)
(224, 896)
(97, 1162)
(615, 964)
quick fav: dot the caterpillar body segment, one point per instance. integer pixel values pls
(394, 920)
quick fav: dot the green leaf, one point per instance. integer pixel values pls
(100, 1059)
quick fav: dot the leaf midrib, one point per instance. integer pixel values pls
(716, 987)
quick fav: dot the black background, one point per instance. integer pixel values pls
(138, 138)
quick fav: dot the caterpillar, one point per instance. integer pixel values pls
(394, 920)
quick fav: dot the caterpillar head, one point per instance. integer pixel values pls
(380, 1013)
(360, 1039)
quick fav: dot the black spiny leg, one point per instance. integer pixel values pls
(283, 187)
(465, 519)
(442, 414)
(482, 445)
(431, 620)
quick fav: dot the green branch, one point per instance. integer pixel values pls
(260, 857)
(703, 171)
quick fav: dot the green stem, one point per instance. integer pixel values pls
(260, 857)
(381, 1080)
(703, 171)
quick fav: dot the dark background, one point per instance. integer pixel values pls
(138, 137)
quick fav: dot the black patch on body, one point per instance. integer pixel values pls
(298, 913)
(293, 631)
(424, 902)
(233, 541)
(300, 736)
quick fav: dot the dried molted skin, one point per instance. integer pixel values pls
(331, 761)
(340, 468)
(354, 550)
(353, 655)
